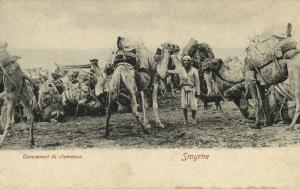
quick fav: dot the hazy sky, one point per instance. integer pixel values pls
(96, 24)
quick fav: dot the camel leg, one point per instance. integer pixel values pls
(31, 138)
(155, 106)
(144, 105)
(253, 89)
(128, 78)
(172, 88)
(293, 125)
(162, 89)
(3, 118)
(135, 112)
(8, 115)
(13, 121)
(30, 122)
(111, 100)
(265, 107)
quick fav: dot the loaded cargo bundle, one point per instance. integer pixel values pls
(197, 51)
(190, 47)
(270, 46)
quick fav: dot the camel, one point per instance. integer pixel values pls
(49, 102)
(223, 79)
(16, 87)
(263, 69)
(229, 80)
(137, 77)
(170, 82)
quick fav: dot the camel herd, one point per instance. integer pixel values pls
(267, 74)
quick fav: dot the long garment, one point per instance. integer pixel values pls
(190, 85)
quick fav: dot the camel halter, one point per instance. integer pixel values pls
(7, 75)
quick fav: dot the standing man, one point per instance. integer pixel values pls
(190, 87)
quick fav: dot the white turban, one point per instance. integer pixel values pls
(186, 58)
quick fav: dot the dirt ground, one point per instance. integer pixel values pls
(215, 129)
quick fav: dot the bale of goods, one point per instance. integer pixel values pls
(267, 47)
(190, 47)
(205, 51)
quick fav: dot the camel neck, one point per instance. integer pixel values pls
(232, 76)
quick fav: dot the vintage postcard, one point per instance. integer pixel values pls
(149, 94)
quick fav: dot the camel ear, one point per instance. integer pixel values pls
(119, 40)
(219, 60)
(289, 30)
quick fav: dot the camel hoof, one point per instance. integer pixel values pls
(268, 123)
(32, 142)
(255, 126)
(160, 125)
(147, 126)
(106, 135)
(289, 128)
(147, 132)
(297, 127)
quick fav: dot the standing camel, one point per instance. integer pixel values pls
(135, 69)
(16, 87)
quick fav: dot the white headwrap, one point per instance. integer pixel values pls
(186, 58)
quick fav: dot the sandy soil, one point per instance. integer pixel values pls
(214, 129)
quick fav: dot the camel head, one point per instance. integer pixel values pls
(126, 44)
(169, 52)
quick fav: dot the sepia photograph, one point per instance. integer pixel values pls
(134, 84)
